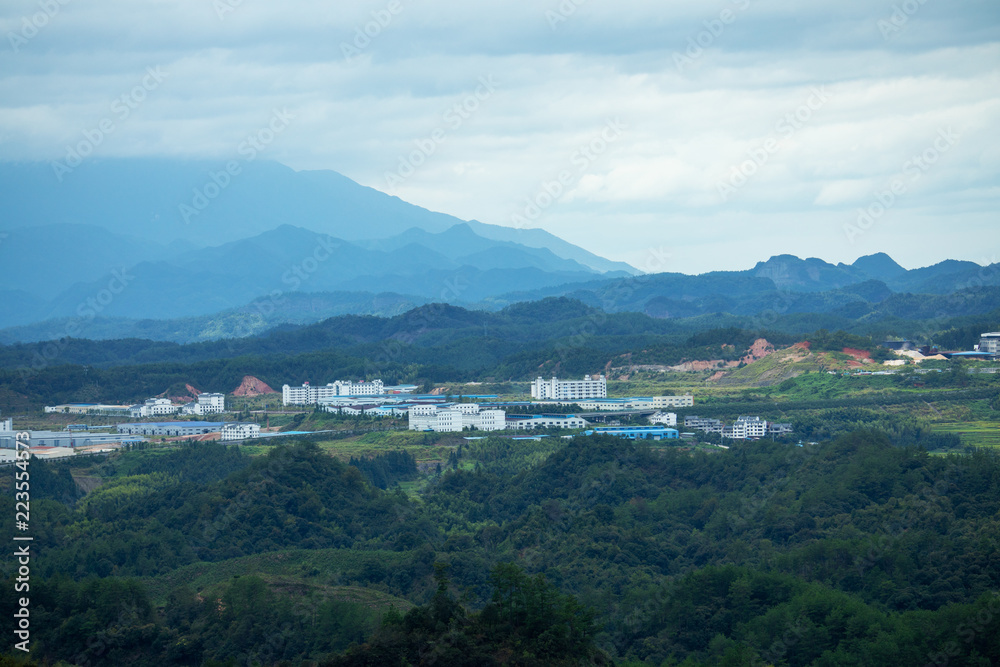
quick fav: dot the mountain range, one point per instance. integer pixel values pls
(113, 251)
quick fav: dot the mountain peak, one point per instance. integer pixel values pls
(878, 266)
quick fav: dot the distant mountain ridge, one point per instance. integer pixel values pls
(133, 196)
(278, 247)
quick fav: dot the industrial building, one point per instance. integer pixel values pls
(71, 439)
(171, 429)
(632, 403)
(528, 422)
(569, 390)
(637, 432)
(90, 409)
(309, 395)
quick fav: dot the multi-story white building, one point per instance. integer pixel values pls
(6, 425)
(455, 417)
(685, 401)
(746, 428)
(569, 390)
(309, 395)
(240, 431)
(990, 342)
(664, 418)
(208, 404)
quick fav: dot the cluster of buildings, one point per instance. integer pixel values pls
(453, 417)
(58, 444)
(744, 428)
(205, 404)
(988, 349)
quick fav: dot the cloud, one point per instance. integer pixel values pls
(713, 95)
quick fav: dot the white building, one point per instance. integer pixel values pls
(990, 342)
(455, 417)
(309, 395)
(240, 431)
(208, 404)
(664, 418)
(746, 428)
(6, 425)
(569, 390)
(529, 422)
(154, 407)
(685, 401)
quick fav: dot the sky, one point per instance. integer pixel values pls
(675, 136)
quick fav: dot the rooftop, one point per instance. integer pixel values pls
(174, 424)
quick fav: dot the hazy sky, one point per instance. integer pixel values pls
(719, 133)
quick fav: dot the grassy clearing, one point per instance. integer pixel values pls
(312, 567)
(975, 433)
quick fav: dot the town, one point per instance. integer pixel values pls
(143, 422)
(565, 407)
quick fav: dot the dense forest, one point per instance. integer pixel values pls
(433, 344)
(863, 549)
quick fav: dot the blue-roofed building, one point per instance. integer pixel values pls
(637, 432)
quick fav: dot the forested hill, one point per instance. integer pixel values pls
(434, 343)
(855, 551)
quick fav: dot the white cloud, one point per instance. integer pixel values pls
(558, 84)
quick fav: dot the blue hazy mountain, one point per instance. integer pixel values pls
(109, 276)
(198, 202)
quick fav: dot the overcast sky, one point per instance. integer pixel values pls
(717, 133)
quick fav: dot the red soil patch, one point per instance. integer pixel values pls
(251, 386)
(760, 349)
(859, 355)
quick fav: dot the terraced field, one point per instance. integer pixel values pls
(975, 433)
(311, 572)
